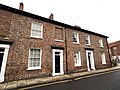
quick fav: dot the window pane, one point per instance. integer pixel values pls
(30, 62)
(75, 37)
(103, 58)
(100, 43)
(87, 40)
(36, 29)
(37, 53)
(76, 58)
(34, 60)
(36, 33)
(38, 62)
(31, 53)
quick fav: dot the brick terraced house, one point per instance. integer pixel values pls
(33, 46)
(115, 50)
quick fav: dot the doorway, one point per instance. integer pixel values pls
(90, 60)
(57, 62)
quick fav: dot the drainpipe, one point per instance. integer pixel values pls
(108, 52)
(66, 50)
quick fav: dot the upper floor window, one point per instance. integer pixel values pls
(103, 58)
(115, 52)
(75, 37)
(34, 61)
(37, 30)
(100, 43)
(77, 59)
(58, 34)
(115, 48)
(87, 40)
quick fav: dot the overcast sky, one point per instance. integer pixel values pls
(100, 16)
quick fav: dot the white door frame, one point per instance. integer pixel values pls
(91, 60)
(2, 72)
(61, 62)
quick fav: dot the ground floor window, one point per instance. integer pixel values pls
(103, 58)
(34, 61)
(77, 59)
(4, 48)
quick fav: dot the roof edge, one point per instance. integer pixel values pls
(27, 14)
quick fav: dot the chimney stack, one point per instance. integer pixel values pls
(51, 16)
(21, 6)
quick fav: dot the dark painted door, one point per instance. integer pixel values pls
(57, 62)
(89, 59)
(1, 57)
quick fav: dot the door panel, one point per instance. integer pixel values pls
(57, 64)
(89, 59)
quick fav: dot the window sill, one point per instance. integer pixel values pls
(104, 63)
(34, 68)
(36, 37)
(101, 46)
(76, 42)
(88, 44)
(78, 65)
(59, 40)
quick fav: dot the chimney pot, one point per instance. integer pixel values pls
(21, 6)
(77, 26)
(51, 16)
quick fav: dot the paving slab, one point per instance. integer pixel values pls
(11, 85)
(39, 80)
(21, 83)
(30, 82)
(3, 86)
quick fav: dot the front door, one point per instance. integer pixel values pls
(57, 62)
(3, 59)
(90, 60)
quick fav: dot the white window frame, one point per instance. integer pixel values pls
(100, 43)
(41, 29)
(38, 67)
(103, 58)
(77, 38)
(2, 72)
(89, 43)
(79, 59)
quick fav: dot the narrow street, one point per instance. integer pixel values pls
(110, 81)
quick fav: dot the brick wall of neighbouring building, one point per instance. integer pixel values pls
(115, 50)
(15, 27)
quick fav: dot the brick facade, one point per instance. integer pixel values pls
(15, 27)
(115, 50)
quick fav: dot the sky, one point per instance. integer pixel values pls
(100, 16)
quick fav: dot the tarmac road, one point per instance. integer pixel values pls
(110, 81)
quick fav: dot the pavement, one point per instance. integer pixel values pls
(39, 81)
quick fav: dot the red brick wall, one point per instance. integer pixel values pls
(18, 28)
